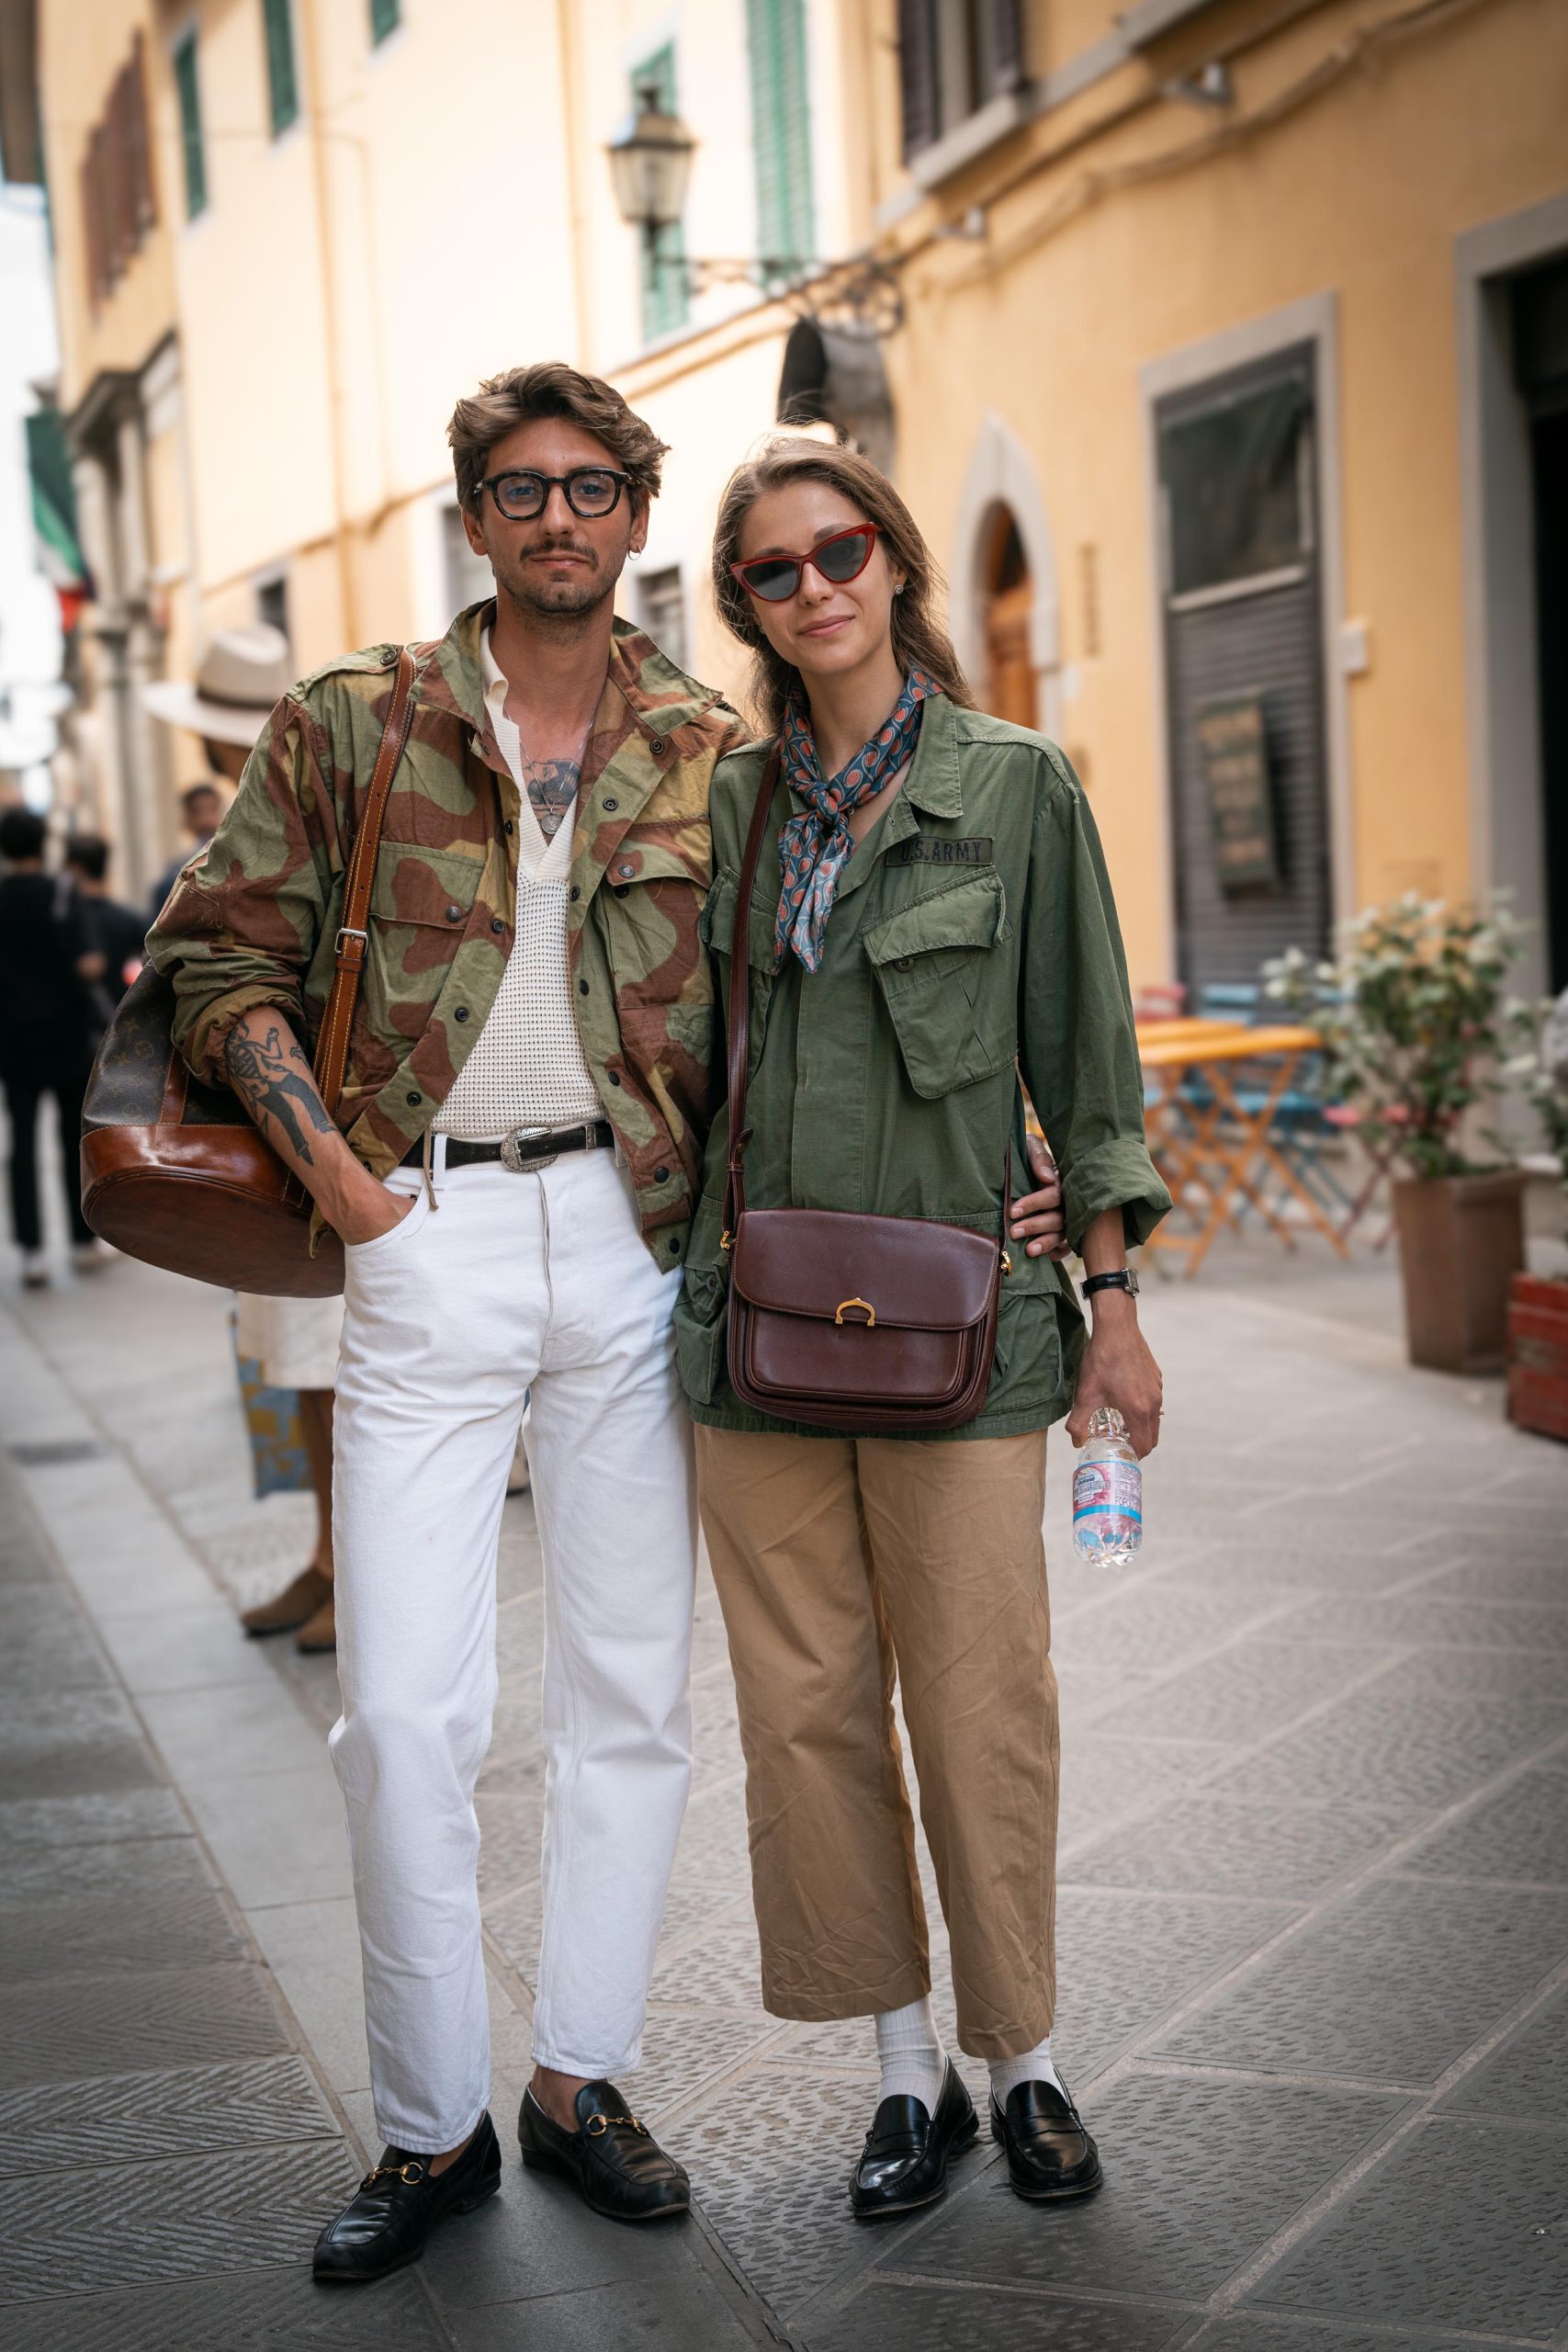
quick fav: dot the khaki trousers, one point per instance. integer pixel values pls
(838, 1562)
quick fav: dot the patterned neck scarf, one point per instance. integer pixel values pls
(814, 847)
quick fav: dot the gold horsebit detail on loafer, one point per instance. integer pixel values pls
(410, 2172)
(597, 2125)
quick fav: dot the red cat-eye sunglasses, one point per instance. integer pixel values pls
(776, 578)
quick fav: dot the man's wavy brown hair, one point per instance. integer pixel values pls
(917, 636)
(550, 388)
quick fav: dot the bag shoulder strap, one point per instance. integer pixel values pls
(352, 938)
(740, 1000)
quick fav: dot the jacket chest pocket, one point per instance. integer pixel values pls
(420, 904)
(651, 925)
(947, 989)
(718, 936)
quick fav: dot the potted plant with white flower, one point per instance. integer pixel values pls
(1538, 1304)
(1413, 1020)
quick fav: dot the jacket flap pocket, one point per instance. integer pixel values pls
(716, 926)
(968, 914)
(652, 861)
(417, 885)
(899, 1272)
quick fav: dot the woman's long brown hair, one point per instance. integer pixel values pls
(919, 636)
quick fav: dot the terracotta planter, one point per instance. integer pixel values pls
(1538, 1354)
(1462, 1239)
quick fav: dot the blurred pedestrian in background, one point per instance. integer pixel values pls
(117, 932)
(243, 672)
(49, 964)
(295, 1340)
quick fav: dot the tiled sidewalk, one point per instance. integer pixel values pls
(1313, 1909)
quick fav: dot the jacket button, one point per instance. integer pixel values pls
(454, 914)
(497, 925)
(627, 872)
(903, 963)
(413, 1101)
(582, 988)
(575, 891)
(613, 1076)
(675, 1249)
(658, 747)
(460, 1013)
(509, 826)
(618, 890)
(608, 805)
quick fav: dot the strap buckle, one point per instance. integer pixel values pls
(350, 930)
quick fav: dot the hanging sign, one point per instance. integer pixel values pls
(1234, 748)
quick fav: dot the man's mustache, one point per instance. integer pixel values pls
(559, 544)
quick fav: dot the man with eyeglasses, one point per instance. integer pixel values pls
(513, 1170)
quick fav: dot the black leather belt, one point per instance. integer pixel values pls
(521, 1152)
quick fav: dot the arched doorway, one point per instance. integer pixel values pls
(1008, 593)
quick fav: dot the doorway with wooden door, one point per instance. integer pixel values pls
(1010, 684)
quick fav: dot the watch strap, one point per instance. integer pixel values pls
(1122, 1278)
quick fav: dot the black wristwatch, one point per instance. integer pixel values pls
(1123, 1278)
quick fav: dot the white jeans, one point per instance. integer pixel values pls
(509, 1283)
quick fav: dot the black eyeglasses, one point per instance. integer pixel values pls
(590, 492)
(844, 557)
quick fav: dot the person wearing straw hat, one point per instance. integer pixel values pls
(243, 673)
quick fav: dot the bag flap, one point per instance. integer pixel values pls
(913, 1274)
(968, 913)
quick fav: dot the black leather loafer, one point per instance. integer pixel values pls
(614, 2161)
(906, 2151)
(1049, 2152)
(386, 2223)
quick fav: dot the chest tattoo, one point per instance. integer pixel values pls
(552, 788)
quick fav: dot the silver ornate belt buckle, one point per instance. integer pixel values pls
(522, 1163)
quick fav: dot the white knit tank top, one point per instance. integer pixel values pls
(526, 1068)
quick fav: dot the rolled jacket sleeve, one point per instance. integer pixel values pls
(242, 922)
(1080, 1051)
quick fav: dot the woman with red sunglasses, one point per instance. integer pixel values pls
(930, 920)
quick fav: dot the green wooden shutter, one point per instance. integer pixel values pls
(781, 131)
(385, 17)
(192, 149)
(664, 298)
(282, 80)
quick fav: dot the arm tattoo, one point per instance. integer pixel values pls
(552, 788)
(274, 1082)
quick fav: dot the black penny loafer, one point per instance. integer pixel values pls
(614, 2161)
(1049, 2152)
(385, 2225)
(906, 2151)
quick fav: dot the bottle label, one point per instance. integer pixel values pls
(1103, 1489)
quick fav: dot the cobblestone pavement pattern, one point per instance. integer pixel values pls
(1313, 1911)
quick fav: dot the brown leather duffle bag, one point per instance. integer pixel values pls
(877, 1326)
(175, 1171)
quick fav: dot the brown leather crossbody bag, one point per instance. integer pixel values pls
(177, 1173)
(877, 1326)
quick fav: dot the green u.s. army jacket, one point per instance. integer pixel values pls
(252, 919)
(973, 941)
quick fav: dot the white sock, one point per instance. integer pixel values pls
(1034, 2066)
(913, 2060)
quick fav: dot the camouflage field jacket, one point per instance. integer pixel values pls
(252, 919)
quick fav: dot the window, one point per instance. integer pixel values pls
(272, 604)
(1235, 481)
(781, 131)
(117, 202)
(469, 578)
(664, 303)
(282, 80)
(192, 152)
(664, 613)
(385, 15)
(955, 57)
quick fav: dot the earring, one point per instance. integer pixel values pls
(899, 590)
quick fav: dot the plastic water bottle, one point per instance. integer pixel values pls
(1107, 1493)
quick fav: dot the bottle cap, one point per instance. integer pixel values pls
(1105, 1422)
